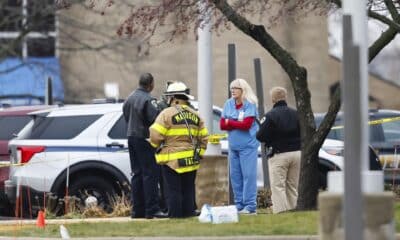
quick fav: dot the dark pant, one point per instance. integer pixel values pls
(180, 191)
(145, 177)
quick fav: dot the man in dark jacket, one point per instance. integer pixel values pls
(140, 110)
(280, 130)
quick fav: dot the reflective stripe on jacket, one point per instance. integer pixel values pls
(170, 133)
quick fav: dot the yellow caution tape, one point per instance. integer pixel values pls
(8, 164)
(216, 138)
(375, 122)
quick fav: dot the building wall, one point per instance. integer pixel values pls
(85, 72)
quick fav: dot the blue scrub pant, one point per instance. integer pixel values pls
(243, 176)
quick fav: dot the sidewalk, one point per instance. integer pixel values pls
(80, 220)
(189, 238)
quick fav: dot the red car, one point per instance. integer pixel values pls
(12, 120)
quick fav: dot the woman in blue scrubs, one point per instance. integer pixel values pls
(239, 119)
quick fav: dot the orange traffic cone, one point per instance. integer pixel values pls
(40, 220)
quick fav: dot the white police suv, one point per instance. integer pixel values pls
(81, 147)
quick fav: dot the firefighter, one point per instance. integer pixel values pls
(180, 136)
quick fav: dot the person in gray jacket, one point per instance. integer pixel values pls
(140, 110)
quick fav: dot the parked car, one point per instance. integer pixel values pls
(384, 137)
(331, 158)
(12, 120)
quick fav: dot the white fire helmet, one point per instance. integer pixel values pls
(178, 88)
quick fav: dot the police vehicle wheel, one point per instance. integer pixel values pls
(93, 187)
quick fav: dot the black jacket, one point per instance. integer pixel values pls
(280, 129)
(140, 111)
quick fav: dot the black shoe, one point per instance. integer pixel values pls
(137, 216)
(196, 213)
(157, 214)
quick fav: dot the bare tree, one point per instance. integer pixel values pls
(30, 28)
(179, 17)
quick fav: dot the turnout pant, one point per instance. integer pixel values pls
(180, 191)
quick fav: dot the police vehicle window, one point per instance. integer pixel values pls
(336, 134)
(376, 133)
(391, 130)
(118, 131)
(12, 125)
(60, 127)
(337, 131)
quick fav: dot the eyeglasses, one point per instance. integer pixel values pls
(235, 88)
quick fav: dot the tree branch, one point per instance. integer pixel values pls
(258, 33)
(393, 11)
(338, 3)
(394, 24)
(385, 20)
(384, 39)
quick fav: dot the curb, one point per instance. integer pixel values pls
(80, 220)
(292, 237)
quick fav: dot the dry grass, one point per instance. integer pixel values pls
(121, 206)
(94, 212)
(264, 198)
(395, 188)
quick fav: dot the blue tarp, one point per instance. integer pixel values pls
(23, 81)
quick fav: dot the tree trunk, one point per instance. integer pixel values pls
(309, 180)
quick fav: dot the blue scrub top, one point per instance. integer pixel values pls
(240, 139)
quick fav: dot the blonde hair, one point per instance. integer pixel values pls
(278, 94)
(247, 92)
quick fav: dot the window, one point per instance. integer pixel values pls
(11, 47)
(118, 131)
(391, 131)
(35, 17)
(10, 12)
(12, 125)
(337, 131)
(60, 127)
(41, 47)
(40, 15)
